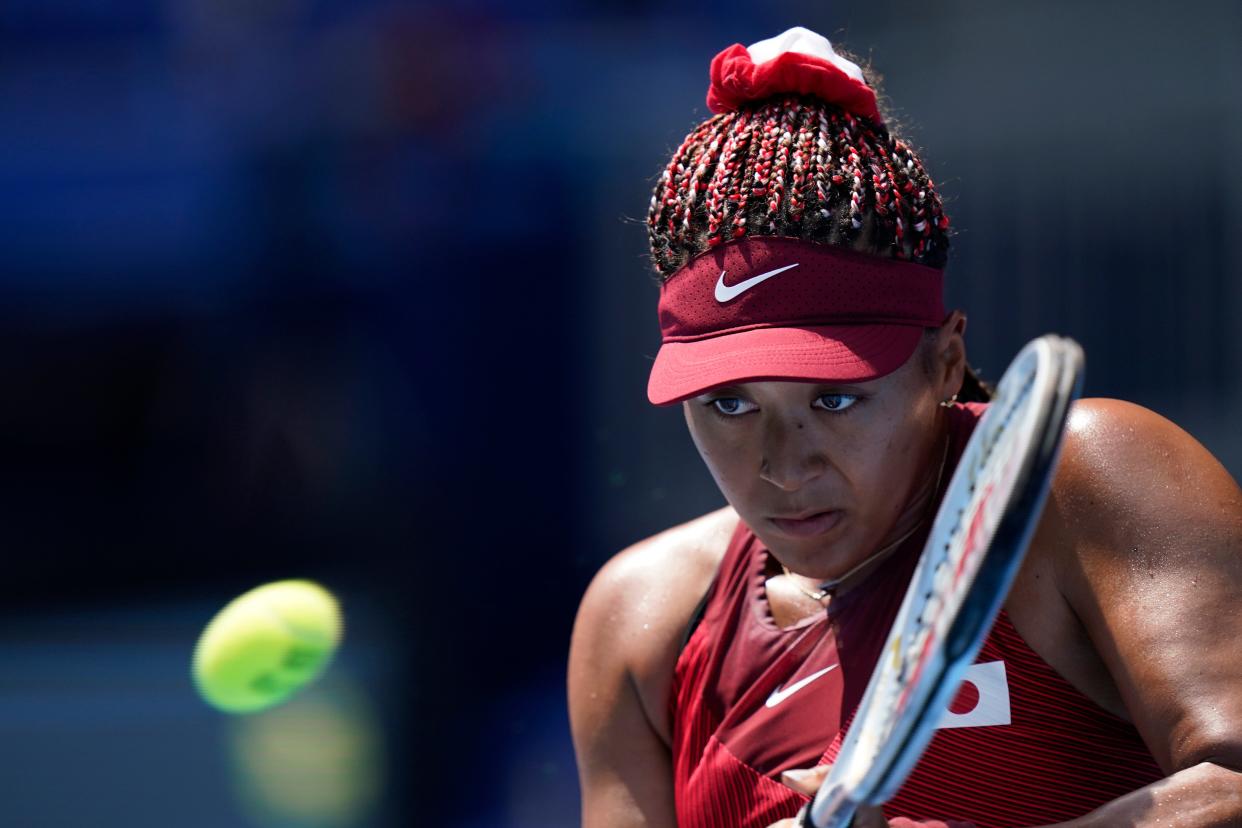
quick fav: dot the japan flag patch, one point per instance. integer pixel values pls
(982, 700)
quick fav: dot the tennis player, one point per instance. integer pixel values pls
(714, 667)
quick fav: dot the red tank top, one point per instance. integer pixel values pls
(1018, 746)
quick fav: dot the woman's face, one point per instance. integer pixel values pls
(825, 473)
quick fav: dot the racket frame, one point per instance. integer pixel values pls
(965, 613)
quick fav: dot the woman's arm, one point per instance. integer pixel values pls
(621, 662)
(1206, 794)
(624, 767)
(1155, 576)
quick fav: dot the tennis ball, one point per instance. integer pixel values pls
(265, 645)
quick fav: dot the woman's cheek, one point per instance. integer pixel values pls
(881, 476)
(732, 481)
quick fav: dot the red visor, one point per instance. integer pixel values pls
(785, 309)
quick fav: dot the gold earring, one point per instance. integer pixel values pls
(949, 402)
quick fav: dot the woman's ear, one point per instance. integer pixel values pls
(949, 355)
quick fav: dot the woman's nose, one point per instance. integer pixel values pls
(791, 459)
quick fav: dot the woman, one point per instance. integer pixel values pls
(715, 666)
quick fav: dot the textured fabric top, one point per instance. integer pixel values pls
(1018, 746)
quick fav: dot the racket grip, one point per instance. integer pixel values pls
(841, 818)
(803, 819)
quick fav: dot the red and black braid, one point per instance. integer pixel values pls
(720, 187)
(798, 167)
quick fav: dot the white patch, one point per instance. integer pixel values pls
(993, 705)
(804, 42)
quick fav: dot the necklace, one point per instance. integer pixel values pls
(826, 588)
(816, 595)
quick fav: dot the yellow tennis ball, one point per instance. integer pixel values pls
(266, 644)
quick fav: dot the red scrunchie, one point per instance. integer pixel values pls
(736, 79)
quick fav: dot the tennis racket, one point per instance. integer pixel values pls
(976, 545)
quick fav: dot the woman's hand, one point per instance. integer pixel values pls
(808, 781)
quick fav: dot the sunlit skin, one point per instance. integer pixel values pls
(869, 451)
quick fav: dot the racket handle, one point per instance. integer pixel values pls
(804, 819)
(842, 817)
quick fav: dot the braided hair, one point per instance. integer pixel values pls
(799, 167)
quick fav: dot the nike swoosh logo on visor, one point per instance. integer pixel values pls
(779, 695)
(725, 293)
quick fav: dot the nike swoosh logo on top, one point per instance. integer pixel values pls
(779, 695)
(724, 292)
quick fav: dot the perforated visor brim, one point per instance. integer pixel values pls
(836, 353)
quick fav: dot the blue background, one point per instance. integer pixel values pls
(358, 292)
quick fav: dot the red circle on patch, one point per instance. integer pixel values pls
(966, 700)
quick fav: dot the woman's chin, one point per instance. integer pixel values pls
(825, 562)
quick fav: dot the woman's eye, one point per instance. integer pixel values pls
(837, 402)
(730, 406)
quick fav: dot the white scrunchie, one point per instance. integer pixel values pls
(804, 42)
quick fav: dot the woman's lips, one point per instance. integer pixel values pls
(807, 527)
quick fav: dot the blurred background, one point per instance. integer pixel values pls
(357, 291)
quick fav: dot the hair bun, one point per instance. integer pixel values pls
(796, 61)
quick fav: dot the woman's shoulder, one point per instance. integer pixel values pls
(658, 582)
(638, 605)
(1129, 482)
(1133, 495)
(1126, 470)
(1141, 536)
(1118, 453)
